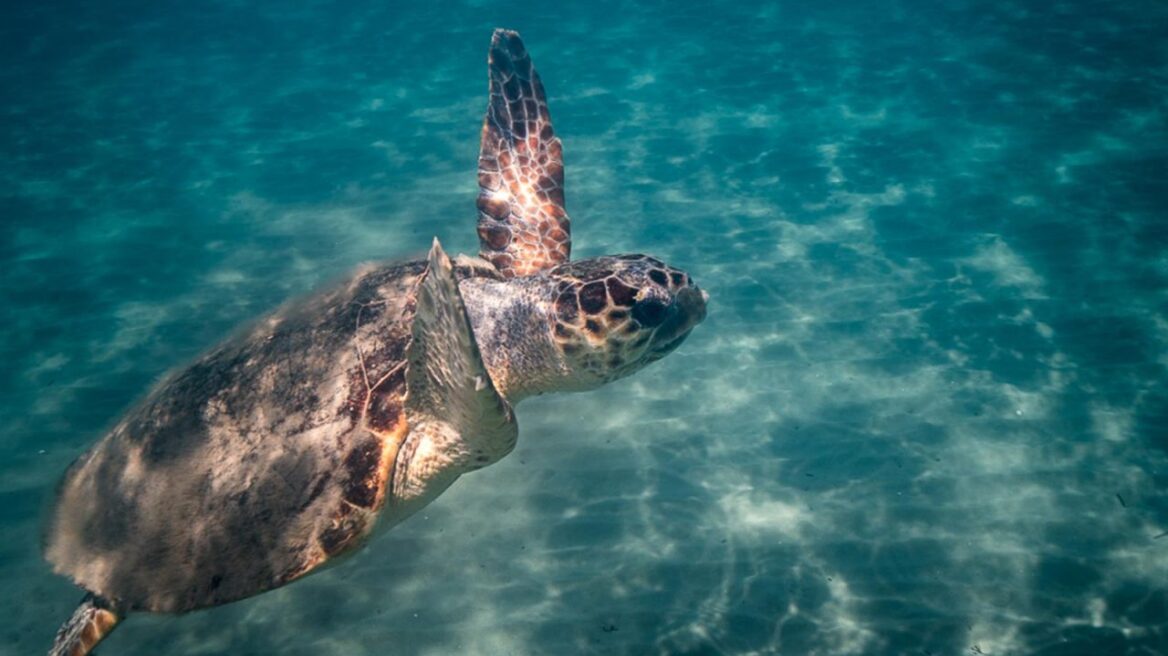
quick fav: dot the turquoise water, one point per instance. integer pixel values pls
(926, 414)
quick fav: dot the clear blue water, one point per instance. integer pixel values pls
(926, 414)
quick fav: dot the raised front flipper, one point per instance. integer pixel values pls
(523, 227)
(458, 421)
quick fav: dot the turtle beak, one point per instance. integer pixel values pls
(691, 303)
(688, 310)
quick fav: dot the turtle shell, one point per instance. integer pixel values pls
(251, 467)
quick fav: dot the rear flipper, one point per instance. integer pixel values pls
(93, 620)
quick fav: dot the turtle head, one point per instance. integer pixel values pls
(613, 315)
(579, 325)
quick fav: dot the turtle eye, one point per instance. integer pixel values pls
(650, 312)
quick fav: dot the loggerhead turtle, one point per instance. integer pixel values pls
(283, 447)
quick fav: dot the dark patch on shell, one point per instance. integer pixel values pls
(386, 402)
(357, 394)
(345, 530)
(658, 276)
(180, 411)
(362, 465)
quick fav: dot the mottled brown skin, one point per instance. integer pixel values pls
(610, 310)
(523, 227)
(277, 446)
(599, 320)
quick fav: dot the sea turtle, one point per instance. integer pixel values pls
(284, 446)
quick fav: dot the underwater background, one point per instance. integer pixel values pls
(926, 414)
